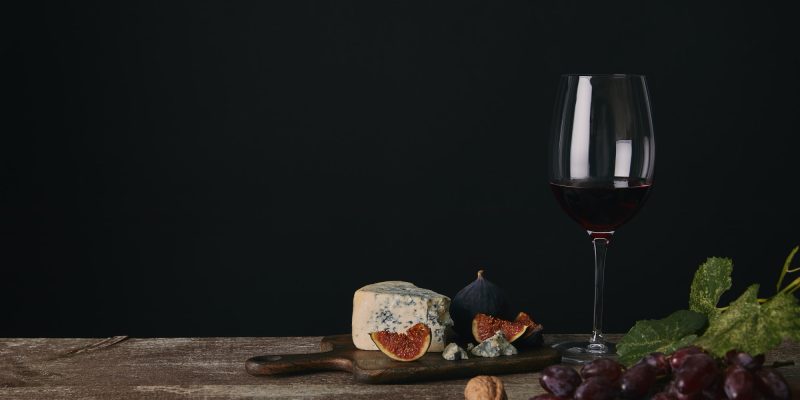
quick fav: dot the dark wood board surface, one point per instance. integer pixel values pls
(337, 353)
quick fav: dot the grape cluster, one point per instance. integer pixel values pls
(688, 374)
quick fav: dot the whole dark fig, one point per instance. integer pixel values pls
(480, 296)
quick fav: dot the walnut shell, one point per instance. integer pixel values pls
(485, 388)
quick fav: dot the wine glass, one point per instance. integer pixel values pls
(602, 153)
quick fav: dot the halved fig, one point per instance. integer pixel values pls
(533, 327)
(408, 346)
(485, 326)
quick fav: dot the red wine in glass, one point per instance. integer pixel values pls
(601, 162)
(598, 206)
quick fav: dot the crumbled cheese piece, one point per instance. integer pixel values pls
(494, 346)
(454, 352)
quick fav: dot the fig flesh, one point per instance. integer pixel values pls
(485, 326)
(408, 346)
(533, 327)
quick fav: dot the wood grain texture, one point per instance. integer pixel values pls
(213, 368)
(337, 353)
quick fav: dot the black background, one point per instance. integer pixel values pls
(240, 168)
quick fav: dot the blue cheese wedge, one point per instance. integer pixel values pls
(395, 306)
(494, 346)
(454, 352)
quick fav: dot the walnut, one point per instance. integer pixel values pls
(485, 388)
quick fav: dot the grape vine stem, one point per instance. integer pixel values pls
(788, 289)
(786, 270)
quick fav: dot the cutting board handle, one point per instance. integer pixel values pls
(297, 363)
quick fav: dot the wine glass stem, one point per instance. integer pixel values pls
(596, 342)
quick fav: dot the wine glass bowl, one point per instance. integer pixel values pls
(601, 160)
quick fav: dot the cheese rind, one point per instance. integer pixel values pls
(395, 306)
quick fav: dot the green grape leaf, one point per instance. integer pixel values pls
(782, 313)
(711, 280)
(665, 335)
(755, 328)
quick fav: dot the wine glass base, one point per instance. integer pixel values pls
(582, 353)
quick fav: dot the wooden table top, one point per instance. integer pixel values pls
(213, 368)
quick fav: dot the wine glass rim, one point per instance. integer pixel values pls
(606, 75)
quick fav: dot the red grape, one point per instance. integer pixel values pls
(659, 362)
(744, 360)
(772, 384)
(548, 396)
(677, 358)
(696, 375)
(663, 396)
(603, 367)
(738, 383)
(637, 381)
(673, 391)
(560, 380)
(596, 388)
(697, 372)
(715, 391)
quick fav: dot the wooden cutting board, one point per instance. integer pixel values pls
(339, 354)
